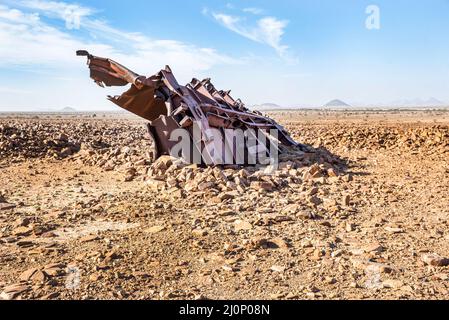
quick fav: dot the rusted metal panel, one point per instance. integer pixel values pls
(168, 106)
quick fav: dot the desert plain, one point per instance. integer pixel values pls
(364, 214)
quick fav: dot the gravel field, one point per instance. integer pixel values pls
(363, 214)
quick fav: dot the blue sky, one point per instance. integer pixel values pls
(286, 52)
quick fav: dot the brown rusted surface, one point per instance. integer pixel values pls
(167, 105)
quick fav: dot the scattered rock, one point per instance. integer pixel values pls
(199, 232)
(371, 267)
(50, 296)
(22, 222)
(89, 238)
(12, 291)
(155, 229)
(433, 259)
(228, 268)
(395, 284)
(22, 231)
(394, 230)
(26, 275)
(350, 227)
(240, 225)
(275, 208)
(277, 268)
(55, 269)
(346, 200)
(6, 206)
(373, 247)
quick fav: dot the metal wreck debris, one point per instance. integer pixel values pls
(169, 106)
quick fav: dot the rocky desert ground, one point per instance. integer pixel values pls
(364, 214)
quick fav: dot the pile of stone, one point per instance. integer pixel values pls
(123, 146)
(415, 138)
(99, 140)
(4, 204)
(177, 178)
(43, 278)
(133, 161)
(33, 141)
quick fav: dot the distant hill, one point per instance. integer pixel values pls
(68, 109)
(431, 102)
(266, 106)
(435, 102)
(336, 104)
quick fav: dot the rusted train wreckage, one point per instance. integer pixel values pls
(168, 106)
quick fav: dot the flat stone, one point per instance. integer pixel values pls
(154, 184)
(394, 284)
(39, 276)
(199, 232)
(373, 247)
(291, 296)
(25, 243)
(206, 185)
(89, 238)
(7, 206)
(346, 200)
(111, 255)
(315, 200)
(12, 291)
(55, 269)
(22, 222)
(276, 268)
(394, 230)
(276, 296)
(155, 229)
(262, 185)
(50, 296)
(26, 275)
(228, 268)
(22, 231)
(242, 225)
(226, 196)
(95, 277)
(433, 259)
(279, 243)
(350, 227)
(371, 267)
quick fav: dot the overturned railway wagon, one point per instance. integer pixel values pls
(219, 129)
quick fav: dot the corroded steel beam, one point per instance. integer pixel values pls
(167, 106)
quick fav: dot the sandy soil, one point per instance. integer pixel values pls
(73, 228)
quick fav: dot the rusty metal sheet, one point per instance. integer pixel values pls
(169, 106)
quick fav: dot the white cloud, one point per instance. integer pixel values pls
(268, 30)
(252, 10)
(205, 11)
(17, 16)
(232, 23)
(4, 89)
(72, 14)
(31, 42)
(27, 40)
(55, 7)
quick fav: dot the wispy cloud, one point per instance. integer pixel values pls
(72, 14)
(58, 9)
(267, 30)
(26, 39)
(35, 44)
(253, 10)
(14, 90)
